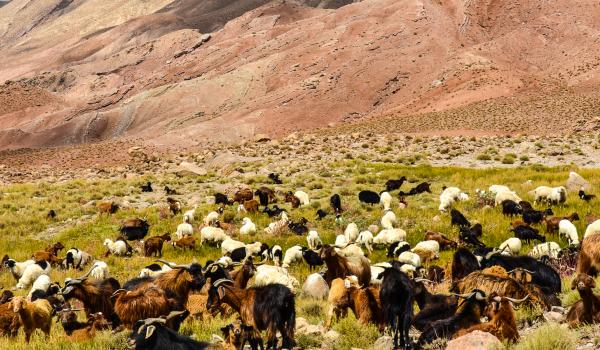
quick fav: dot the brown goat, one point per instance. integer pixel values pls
(552, 223)
(251, 206)
(341, 267)
(364, 302)
(187, 242)
(242, 275)
(236, 334)
(9, 321)
(445, 242)
(506, 286)
(290, 198)
(95, 295)
(174, 205)
(245, 194)
(589, 218)
(33, 315)
(586, 310)
(589, 256)
(95, 322)
(50, 254)
(140, 304)
(502, 319)
(154, 245)
(107, 207)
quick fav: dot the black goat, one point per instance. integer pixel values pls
(265, 196)
(170, 191)
(336, 204)
(221, 198)
(368, 197)
(528, 233)
(468, 314)
(586, 197)
(432, 307)
(133, 229)
(458, 219)
(396, 249)
(397, 297)
(51, 214)
(470, 235)
(238, 254)
(153, 334)
(271, 212)
(420, 188)
(300, 227)
(536, 216)
(463, 263)
(275, 178)
(392, 185)
(312, 258)
(147, 187)
(321, 214)
(511, 208)
(543, 275)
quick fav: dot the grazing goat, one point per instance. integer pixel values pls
(245, 194)
(536, 216)
(266, 196)
(589, 256)
(336, 204)
(391, 185)
(133, 229)
(397, 297)
(290, 198)
(463, 263)
(220, 198)
(147, 187)
(275, 178)
(270, 308)
(154, 334)
(341, 267)
(528, 234)
(107, 207)
(443, 241)
(586, 310)
(364, 302)
(142, 303)
(369, 197)
(511, 208)
(470, 235)
(458, 219)
(154, 245)
(33, 315)
(420, 188)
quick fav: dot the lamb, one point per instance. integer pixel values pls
(351, 232)
(427, 250)
(230, 244)
(213, 235)
(118, 247)
(248, 227)
(313, 240)
(566, 228)
(292, 255)
(511, 246)
(33, 315)
(32, 272)
(17, 268)
(390, 236)
(551, 249)
(388, 220)
(592, 229)
(267, 274)
(303, 197)
(385, 198)
(184, 229)
(365, 239)
(449, 196)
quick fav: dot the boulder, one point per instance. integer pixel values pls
(261, 138)
(384, 343)
(476, 340)
(186, 168)
(554, 316)
(575, 182)
(315, 287)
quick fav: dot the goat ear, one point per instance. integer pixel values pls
(221, 292)
(593, 284)
(149, 331)
(528, 277)
(214, 269)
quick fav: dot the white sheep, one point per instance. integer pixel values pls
(511, 246)
(190, 215)
(32, 272)
(567, 229)
(340, 241)
(303, 197)
(495, 189)
(42, 283)
(224, 261)
(388, 220)
(313, 240)
(315, 287)
(248, 227)
(351, 250)
(592, 229)
(506, 195)
(385, 198)
(550, 194)
(118, 248)
(148, 272)
(410, 258)
(292, 255)
(253, 249)
(230, 244)
(428, 250)
(99, 270)
(278, 226)
(376, 270)
(211, 218)
(183, 230)
(17, 268)
(449, 196)
(551, 249)
(351, 232)
(267, 274)
(365, 239)
(79, 258)
(390, 236)
(214, 235)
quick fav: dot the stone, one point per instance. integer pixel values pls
(301, 324)
(261, 138)
(436, 218)
(476, 340)
(315, 287)
(186, 168)
(575, 182)
(559, 309)
(332, 335)
(384, 343)
(553, 316)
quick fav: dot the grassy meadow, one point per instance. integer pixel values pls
(24, 228)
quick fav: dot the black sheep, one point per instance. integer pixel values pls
(463, 263)
(392, 185)
(321, 214)
(312, 258)
(275, 178)
(368, 197)
(397, 297)
(536, 216)
(147, 187)
(528, 233)
(336, 204)
(458, 219)
(511, 208)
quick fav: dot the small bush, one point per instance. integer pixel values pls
(548, 337)
(508, 159)
(484, 156)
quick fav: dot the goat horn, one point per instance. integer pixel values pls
(262, 262)
(174, 314)
(221, 281)
(154, 319)
(173, 266)
(81, 279)
(517, 301)
(464, 296)
(423, 280)
(118, 291)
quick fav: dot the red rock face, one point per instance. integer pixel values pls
(77, 72)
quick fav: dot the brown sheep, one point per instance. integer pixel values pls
(154, 245)
(290, 198)
(586, 310)
(364, 302)
(502, 319)
(245, 194)
(107, 207)
(251, 206)
(445, 242)
(187, 242)
(9, 320)
(33, 315)
(140, 304)
(341, 267)
(589, 256)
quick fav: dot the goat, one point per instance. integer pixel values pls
(543, 275)
(536, 216)
(312, 258)
(391, 185)
(251, 206)
(420, 188)
(142, 303)
(336, 204)
(107, 207)
(586, 310)
(270, 308)
(553, 222)
(584, 196)
(463, 263)
(527, 234)
(95, 322)
(33, 315)
(458, 219)
(511, 208)
(299, 227)
(341, 267)
(275, 178)
(147, 187)
(9, 321)
(32, 272)
(443, 241)
(368, 197)
(589, 257)
(236, 334)
(133, 229)
(243, 195)
(397, 297)
(432, 307)
(364, 302)
(290, 198)
(470, 235)
(154, 245)
(266, 196)
(276, 210)
(220, 198)
(154, 334)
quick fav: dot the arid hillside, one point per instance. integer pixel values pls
(179, 73)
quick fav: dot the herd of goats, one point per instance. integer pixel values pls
(485, 282)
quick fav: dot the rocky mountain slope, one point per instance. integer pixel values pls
(185, 71)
